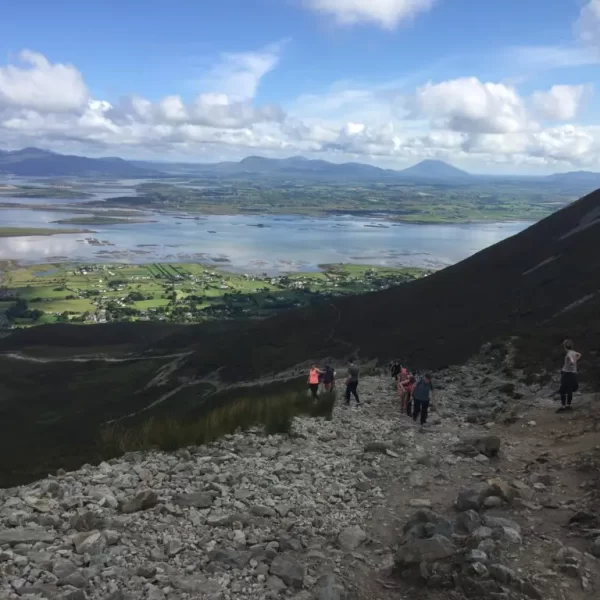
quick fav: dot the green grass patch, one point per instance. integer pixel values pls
(275, 413)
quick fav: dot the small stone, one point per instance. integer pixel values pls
(142, 501)
(432, 549)
(263, 511)
(90, 543)
(479, 569)
(146, 571)
(475, 556)
(25, 535)
(377, 447)
(196, 500)
(511, 535)
(420, 503)
(493, 502)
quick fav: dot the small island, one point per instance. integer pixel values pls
(6, 232)
(101, 220)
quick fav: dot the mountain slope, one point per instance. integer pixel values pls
(575, 178)
(546, 274)
(33, 162)
(435, 169)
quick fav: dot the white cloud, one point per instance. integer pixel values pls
(560, 103)
(34, 83)
(469, 105)
(385, 13)
(587, 26)
(459, 119)
(238, 75)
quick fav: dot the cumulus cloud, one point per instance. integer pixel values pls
(34, 83)
(456, 119)
(385, 13)
(560, 103)
(469, 105)
(587, 26)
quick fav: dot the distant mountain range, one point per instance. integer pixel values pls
(34, 162)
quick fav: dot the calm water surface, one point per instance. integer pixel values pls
(247, 243)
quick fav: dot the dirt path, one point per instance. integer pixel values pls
(541, 451)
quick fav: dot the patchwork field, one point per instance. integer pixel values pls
(174, 292)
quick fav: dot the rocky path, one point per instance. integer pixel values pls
(364, 506)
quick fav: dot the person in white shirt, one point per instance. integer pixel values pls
(568, 377)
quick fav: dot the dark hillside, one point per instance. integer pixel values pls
(509, 288)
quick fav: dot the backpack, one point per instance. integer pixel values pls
(421, 386)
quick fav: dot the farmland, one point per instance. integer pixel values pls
(173, 292)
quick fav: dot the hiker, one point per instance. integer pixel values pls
(568, 376)
(407, 389)
(329, 379)
(395, 371)
(402, 380)
(352, 382)
(422, 397)
(313, 381)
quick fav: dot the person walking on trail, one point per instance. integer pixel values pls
(402, 382)
(422, 397)
(329, 379)
(313, 381)
(408, 390)
(568, 376)
(352, 382)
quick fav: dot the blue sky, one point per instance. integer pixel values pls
(384, 81)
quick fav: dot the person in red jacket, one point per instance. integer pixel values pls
(313, 381)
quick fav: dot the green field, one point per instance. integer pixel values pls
(174, 292)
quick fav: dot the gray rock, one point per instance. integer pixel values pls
(142, 501)
(351, 538)
(25, 535)
(287, 542)
(90, 543)
(595, 547)
(468, 499)
(493, 502)
(87, 521)
(433, 549)
(419, 503)
(377, 447)
(231, 558)
(467, 522)
(290, 571)
(195, 500)
(501, 523)
(503, 574)
(488, 445)
(73, 595)
(425, 524)
(482, 533)
(476, 556)
(76, 579)
(511, 535)
(263, 511)
(276, 584)
(146, 571)
(155, 593)
(63, 567)
(329, 587)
